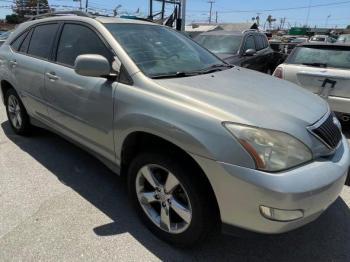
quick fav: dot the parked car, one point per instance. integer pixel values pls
(248, 49)
(324, 69)
(344, 38)
(4, 36)
(322, 39)
(201, 143)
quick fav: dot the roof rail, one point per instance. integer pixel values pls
(61, 13)
(250, 30)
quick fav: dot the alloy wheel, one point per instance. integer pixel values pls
(14, 110)
(163, 198)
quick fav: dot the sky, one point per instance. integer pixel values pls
(323, 12)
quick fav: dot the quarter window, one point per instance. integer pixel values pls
(42, 39)
(24, 46)
(17, 43)
(78, 40)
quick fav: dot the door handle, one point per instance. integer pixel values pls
(13, 63)
(52, 76)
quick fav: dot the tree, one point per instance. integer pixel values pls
(31, 7)
(348, 27)
(13, 19)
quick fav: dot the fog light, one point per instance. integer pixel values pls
(280, 214)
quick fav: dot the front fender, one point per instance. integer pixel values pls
(177, 121)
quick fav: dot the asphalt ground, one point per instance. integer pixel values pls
(58, 203)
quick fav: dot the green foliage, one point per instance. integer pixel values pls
(13, 19)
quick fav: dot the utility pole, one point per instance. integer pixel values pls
(37, 7)
(86, 5)
(327, 20)
(211, 2)
(216, 17)
(308, 13)
(183, 15)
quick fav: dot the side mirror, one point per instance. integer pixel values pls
(92, 65)
(250, 52)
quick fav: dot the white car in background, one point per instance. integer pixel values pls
(322, 39)
(323, 69)
(344, 38)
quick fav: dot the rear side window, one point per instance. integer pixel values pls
(336, 57)
(17, 43)
(249, 44)
(42, 39)
(78, 40)
(259, 42)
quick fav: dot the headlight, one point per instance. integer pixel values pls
(271, 150)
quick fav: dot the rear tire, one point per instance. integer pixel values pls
(185, 229)
(16, 113)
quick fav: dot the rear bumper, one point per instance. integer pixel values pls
(241, 191)
(339, 104)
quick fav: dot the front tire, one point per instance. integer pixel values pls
(16, 113)
(170, 199)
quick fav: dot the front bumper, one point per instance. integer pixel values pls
(241, 191)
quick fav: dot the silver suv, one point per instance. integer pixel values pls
(202, 143)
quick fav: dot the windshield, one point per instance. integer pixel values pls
(318, 39)
(160, 51)
(220, 44)
(338, 58)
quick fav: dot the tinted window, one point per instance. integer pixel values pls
(17, 43)
(78, 40)
(265, 42)
(42, 39)
(25, 44)
(259, 42)
(220, 44)
(249, 44)
(160, 51)
(338, 58)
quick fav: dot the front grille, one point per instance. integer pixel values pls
(328, 132)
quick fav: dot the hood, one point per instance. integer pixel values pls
(248, 97)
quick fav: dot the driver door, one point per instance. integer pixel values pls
(81, 107)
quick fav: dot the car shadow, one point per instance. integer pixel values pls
(326, 239)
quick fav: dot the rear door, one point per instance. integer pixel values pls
(29, 62)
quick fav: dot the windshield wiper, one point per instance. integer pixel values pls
(316, 64)
(174, 75)
(212, 68)
(216, 67)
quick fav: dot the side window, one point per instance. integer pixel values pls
(259, 42)
(17, 43)
(24, 46)
(42, 39)
(78, 40)
(249, 43)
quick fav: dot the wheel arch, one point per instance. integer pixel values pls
(5, 86)
(139, 142)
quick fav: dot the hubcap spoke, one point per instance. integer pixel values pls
(147, 173)
(148, 197)
(182, 211)
(19, 119)
(171, 183)
(165, 218)
(163, 198)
